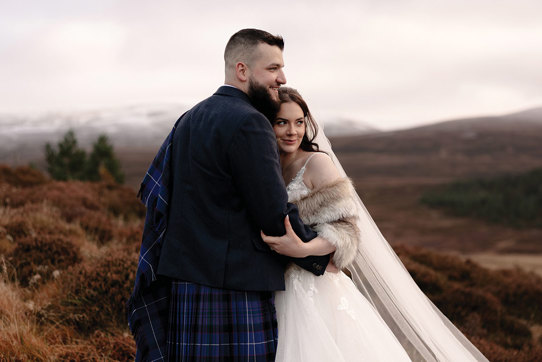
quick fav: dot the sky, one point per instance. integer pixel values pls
(390, 63)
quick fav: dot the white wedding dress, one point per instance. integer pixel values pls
(326, 318)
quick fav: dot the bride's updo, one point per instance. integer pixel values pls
(287, 94)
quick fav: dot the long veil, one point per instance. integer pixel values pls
(424, 332)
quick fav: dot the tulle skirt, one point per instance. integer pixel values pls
(326, 318)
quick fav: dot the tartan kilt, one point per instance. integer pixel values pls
(212, 324)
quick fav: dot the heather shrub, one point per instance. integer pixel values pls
(482, 314)
(114, 347)
(22, 176)
(100, 346)
(36, 219)
(93, 295)
(120, 200)
(496, 353)
(11, 196)
(46, 219)
(130, 235)
(18, 227)
(71, 198)
(459, 302)
(42, 254)
(98, 225)
(77, 352)
(497, 306)
(6, 242)
(427, 279)
(521, 293)
(452, 267)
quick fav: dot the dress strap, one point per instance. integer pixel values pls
(299, 174)
(308, 159)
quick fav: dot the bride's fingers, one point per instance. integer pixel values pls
(287, 225)
(267, 239)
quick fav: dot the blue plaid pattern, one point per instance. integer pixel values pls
(212, 324)
(148, 305)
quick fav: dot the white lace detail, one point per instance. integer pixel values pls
(296, 188)
(345, 306)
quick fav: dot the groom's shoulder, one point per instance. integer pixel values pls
(229, 102)
(232, 98)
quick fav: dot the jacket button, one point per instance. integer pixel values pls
(317, 266)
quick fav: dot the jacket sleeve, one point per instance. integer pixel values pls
(255, 166)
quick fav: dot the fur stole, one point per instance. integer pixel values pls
(331, 211)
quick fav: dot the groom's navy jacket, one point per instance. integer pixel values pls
(226, 186)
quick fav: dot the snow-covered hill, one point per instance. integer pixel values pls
(22, 138)
(338, 127)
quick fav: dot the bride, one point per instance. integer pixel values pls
(378, 315)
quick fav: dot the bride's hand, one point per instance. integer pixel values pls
(289, 244)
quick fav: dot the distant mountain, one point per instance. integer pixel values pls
(469, 147)
(22, 138)
(526, 118)
(339, 127)
(530, 115)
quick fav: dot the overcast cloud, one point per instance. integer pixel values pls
(390, 63)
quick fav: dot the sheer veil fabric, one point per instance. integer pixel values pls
(423, 331)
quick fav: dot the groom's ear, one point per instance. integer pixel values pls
(241, 71)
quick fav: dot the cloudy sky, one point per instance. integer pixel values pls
(391, 63)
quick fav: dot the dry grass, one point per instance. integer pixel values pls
(20, 338)
(45, 228)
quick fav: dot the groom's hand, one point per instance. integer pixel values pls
(289, 244)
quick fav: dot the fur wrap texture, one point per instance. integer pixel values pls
(331, 211)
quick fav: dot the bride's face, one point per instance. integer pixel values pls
(289, 127)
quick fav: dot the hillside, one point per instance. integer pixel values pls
(69, 250)
(514, 200)
(392, 170)
(444, 151)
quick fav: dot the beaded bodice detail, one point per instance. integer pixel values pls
(296, 189)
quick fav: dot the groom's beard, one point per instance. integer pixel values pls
(262, 100)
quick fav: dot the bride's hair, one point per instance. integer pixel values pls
(287, 94)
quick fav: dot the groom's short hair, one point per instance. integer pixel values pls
(240, 47)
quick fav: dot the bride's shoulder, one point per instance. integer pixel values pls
(320, 170)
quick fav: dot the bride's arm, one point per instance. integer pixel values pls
(320, 171)
(291, 245)
(331, 208)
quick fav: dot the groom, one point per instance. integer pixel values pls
(225, 187)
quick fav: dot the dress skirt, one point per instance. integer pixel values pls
(326, 318)
(211, 324)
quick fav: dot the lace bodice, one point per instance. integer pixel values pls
(296, 189)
